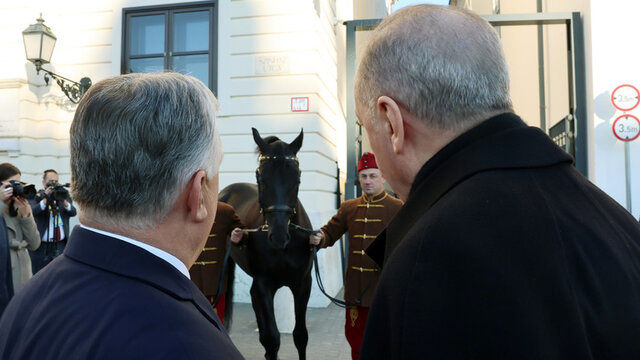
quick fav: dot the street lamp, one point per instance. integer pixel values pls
(39, 42)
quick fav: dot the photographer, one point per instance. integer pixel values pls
(21, 229)
(52, 208)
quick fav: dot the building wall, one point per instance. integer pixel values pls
(278, 50)
(268, 52)
(36, 118)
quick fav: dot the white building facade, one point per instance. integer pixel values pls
(256, 56)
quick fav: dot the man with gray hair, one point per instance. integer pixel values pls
(145, 155)
(502, 249)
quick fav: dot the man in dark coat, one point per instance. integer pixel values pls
(51, 210)
(121, 289)
(503, 250)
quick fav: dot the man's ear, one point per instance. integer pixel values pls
(195, 199)
(389, 112)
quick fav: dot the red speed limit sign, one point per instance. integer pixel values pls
(626, 127)
(625, 97)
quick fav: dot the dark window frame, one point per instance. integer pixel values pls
(169, 10)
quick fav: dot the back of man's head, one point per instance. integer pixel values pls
(136, 141)
(445, 65)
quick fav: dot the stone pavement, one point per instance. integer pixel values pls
(326, 335)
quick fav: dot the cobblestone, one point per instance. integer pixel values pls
(326, 335)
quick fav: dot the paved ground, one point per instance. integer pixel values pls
(326, 335)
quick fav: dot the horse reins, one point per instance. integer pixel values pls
(265, 227)
(338, 302)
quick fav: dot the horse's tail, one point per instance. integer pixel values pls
(228, 301)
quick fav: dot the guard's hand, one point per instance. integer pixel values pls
(65, 203)
(316, 238)
(6, 191)
(48, 190)
(236, 235)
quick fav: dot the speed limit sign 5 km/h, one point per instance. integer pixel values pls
(626, 127)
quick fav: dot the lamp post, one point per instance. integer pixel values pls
(39, 42)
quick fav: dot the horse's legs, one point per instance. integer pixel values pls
(301, 298)
(262, 300)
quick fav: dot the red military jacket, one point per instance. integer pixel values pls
(205, 272)
(363, 218)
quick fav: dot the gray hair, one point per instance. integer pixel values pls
(136, 141)
(445, 65)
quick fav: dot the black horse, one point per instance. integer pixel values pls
(277, 253)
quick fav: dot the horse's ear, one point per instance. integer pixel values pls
(297, 143)
(258, 139)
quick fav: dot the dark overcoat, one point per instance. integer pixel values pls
(504, 250)
(108, 299)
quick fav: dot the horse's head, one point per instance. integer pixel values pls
(278, 176)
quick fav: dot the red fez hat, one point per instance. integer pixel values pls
(367, 161)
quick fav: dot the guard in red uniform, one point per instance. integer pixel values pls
(206, 271)
(363, 218)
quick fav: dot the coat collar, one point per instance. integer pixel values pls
(376, 198)
(501, 142)
(119, 257)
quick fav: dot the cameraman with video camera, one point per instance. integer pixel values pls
(52, 208)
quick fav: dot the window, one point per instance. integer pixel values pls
(181, 38)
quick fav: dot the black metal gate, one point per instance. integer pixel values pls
(563, 134)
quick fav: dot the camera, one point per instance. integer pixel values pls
(27, 191)
(59, 192)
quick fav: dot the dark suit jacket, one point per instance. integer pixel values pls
(504, 250)
(107, 299)
(6, 282)
(42, 216)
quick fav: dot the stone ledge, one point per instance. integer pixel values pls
(14, 83)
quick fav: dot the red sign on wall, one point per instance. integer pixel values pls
(299, 104)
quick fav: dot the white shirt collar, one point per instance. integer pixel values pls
(154, 250)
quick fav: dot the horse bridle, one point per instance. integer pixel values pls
(294, 227)
(275, 157)
(279, 208)
(273, 208)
